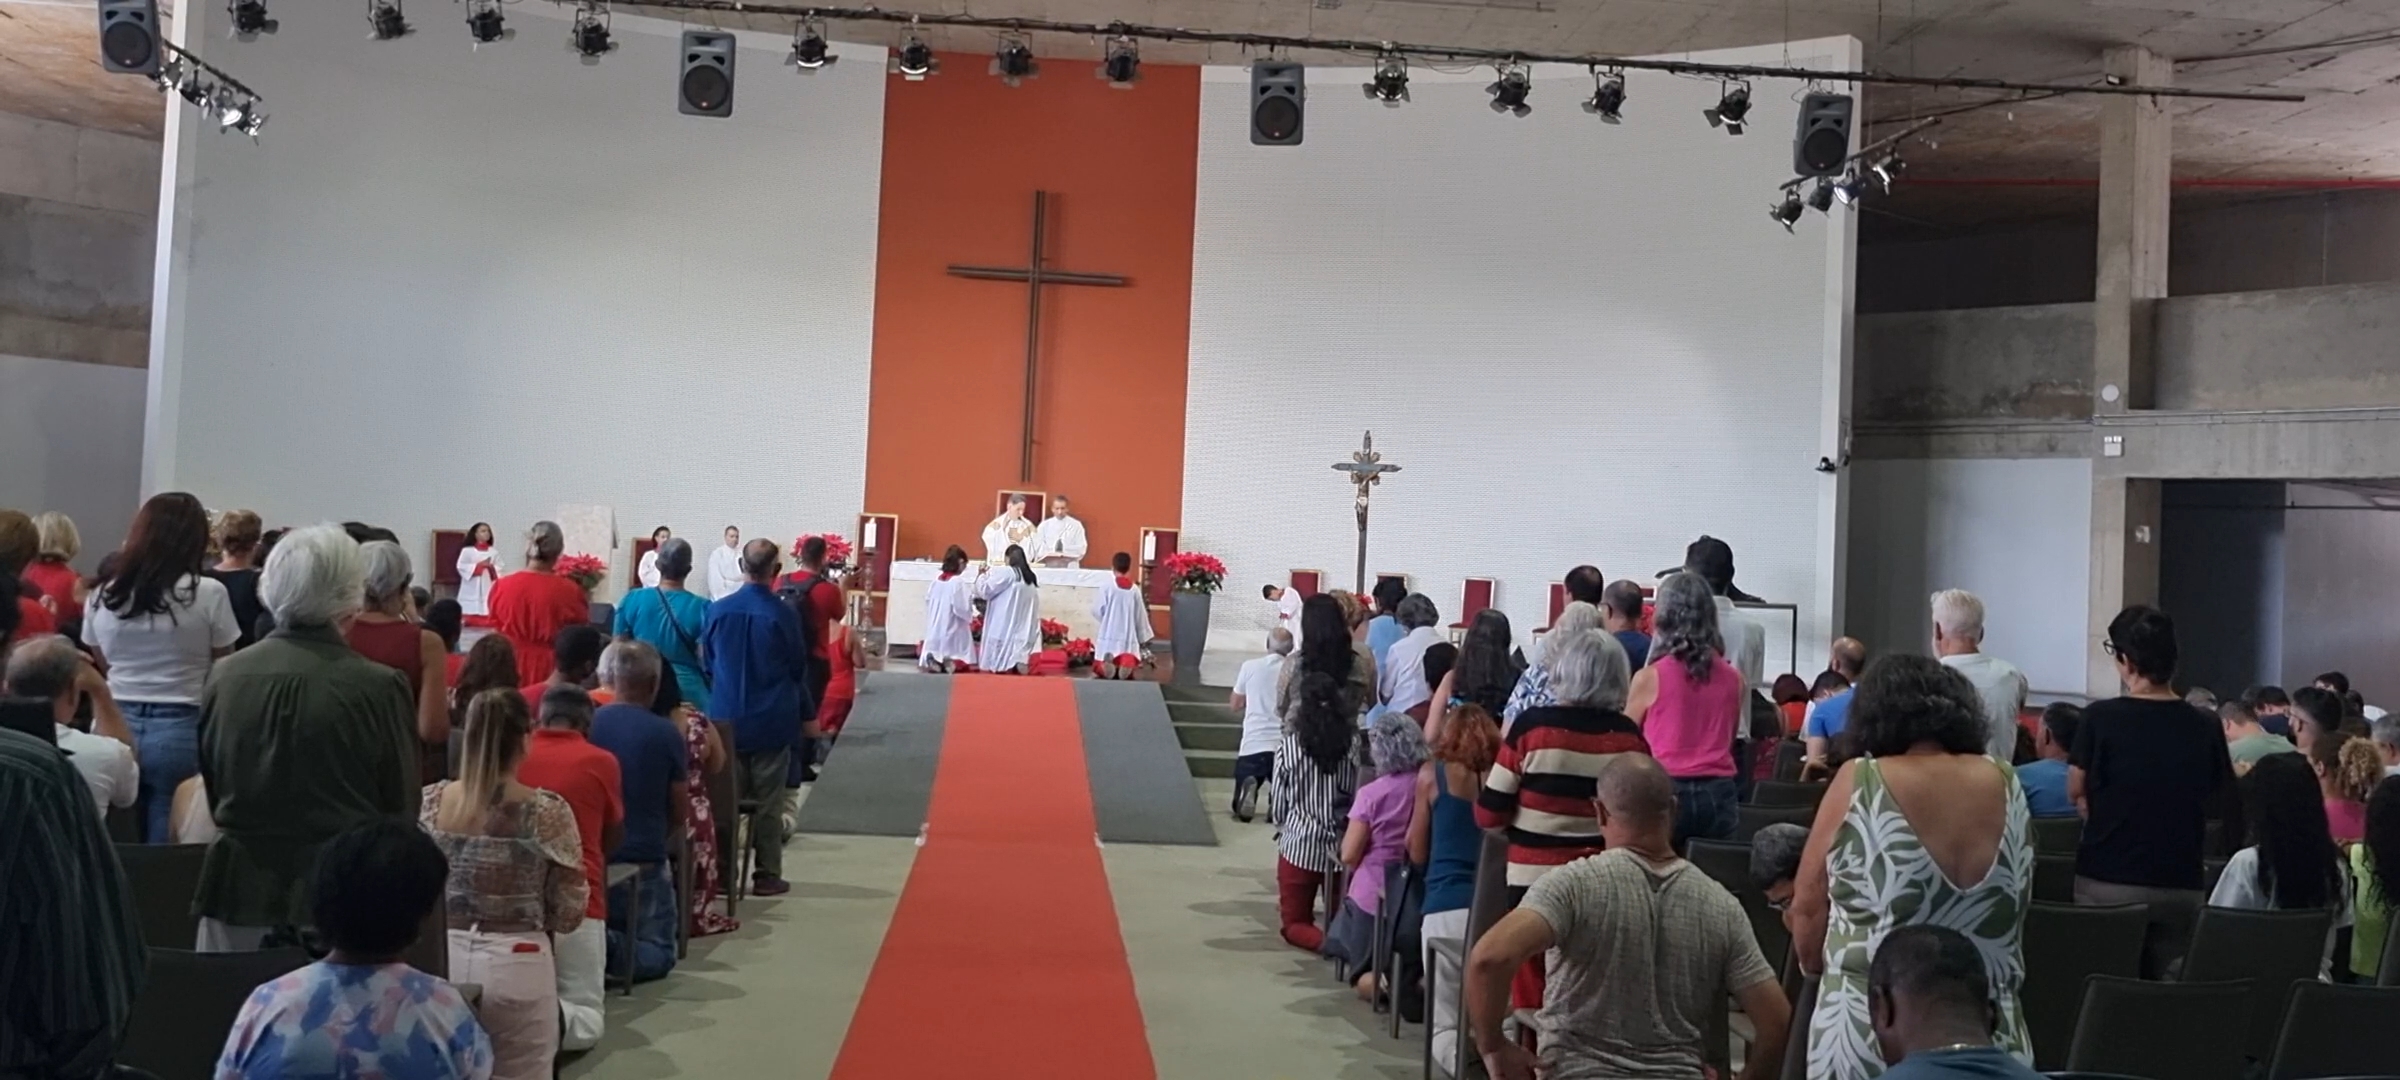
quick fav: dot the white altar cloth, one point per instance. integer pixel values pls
(1067, 593)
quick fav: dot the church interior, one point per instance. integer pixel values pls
(951, 457)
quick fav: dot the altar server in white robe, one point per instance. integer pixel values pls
(1012, 620)
(949, 640)
(1400, 681)
(647, 570)
(725, 575)
(1059, 540)
(478, 568)
(1124, 622)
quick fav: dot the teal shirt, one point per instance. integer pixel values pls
(670, 621)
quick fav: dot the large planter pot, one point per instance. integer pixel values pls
(1188, 625)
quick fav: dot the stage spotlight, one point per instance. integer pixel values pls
(1730, 108)
(1608, 97)
(915, 60)
(1886, 170)
(129, 36)
(1014, 62)
(236, 111)
(1850, 188)
(590, 38)
(485, 23)
(385, 19)
(1122, 67)
(1511, 89)
(809, 51)
(249, 18)
(1390, 85)
(1820, 197)
(1787, 211)
(705, 87)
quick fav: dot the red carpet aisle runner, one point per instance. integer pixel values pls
(1004, 958)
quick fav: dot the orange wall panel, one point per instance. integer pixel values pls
(962, 157)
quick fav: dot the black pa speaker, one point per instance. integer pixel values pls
(129, 36)
(1278, 99)
(706, 85)
(1822, 143)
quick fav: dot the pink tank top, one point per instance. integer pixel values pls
(1691, 725)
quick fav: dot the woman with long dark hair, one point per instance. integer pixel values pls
(2292, 863)
(949, 641)
(1012, 620)
(157, 625)
(2375, 878)
(1315, 778)
(1326, 649)
(1487, 668)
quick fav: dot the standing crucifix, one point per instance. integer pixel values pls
(1366, 469)
(1034, 275)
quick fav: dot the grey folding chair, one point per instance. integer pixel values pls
(2179, 1031)
(178, 1025)
(2333, 1030)
(630, 876)
(2272, 949)
(2064, 945)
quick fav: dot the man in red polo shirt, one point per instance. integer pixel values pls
(561, 758)
(820, 608)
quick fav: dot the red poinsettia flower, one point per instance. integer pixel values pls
(587, 571)
(1193, 571)
(1054, 633)
(1080, 652)
(837, 547)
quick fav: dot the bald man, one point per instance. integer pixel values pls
(1648, 945)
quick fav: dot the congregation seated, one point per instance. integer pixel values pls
(51, 670)
(574, 663)
(1644, 946)
(362, 1010)
(2045, 778)
(560, 758)
(1376, 838)
(1775, 855)
(1932, 1010)
(301, 739)
(653, 762)
(2291, 862)
(516, 880)
(2246, 739)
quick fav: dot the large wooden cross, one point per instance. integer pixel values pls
(1035, 275)
(1366, 468)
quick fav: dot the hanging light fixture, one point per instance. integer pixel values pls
(915, 60)
(1608, 96)
(809, 49)
(590, 37)
(1510, 90)
(1789, 209)
(1013, 62)
(249, 19)
(386, 21)
(1390, 84)
(1122, 66)
(1731, 107)
(486, 24)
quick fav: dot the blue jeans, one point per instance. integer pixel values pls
(166, 741)
(653, 925)
(1707, 807)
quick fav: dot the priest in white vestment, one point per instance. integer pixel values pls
(725, 575)
(949, 639)
(646, 571)
(1124, 622)
(1008, 530)
(1012, 614)
(1060, 540)
(1400, 681)
(478, 568)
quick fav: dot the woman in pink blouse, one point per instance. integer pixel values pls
(516, 877)
(1690, 701)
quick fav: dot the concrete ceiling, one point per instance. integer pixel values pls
(2015, 159)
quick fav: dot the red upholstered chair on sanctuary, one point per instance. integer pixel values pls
(1472, 600)
(1308, 582)
(447, 543)
(1558, 605)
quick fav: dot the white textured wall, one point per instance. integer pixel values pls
(2015, 532)
(1581, 342)
(460, 284)
(71, 441)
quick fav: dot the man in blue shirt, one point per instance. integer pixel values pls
(758, 679)
(1621, 615)
(1931, 1005)
(2045, 780)
(652, 764)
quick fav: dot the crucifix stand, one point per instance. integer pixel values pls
(1035, 275)
(1366, 468)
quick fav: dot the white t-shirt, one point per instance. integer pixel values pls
(164, 658)
(2002, 688)
(107, 765)
(1259, 681)
(2237, 887)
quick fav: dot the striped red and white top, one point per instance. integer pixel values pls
(1541, 787)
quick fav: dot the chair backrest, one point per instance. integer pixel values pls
(1308, 582)
(164, 878)
(430, 953)
(1795, 1045)
(2065, 945)
(1724, 860)
(1753, 817)
(179, 1022)
(1788, 793)
(2188, 1031)
(2272, 949)
(1474, 598)
(1490, 900)
(1558, 603)
(2335, 1030)
(2387, 968)
(2057, 835)
(1789, 757)
(725, 785)
(2054, 878)
(604, 615)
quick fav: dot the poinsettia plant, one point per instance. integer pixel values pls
(587, 571)
(837, 548)
(1193, 571)
(1054, 633)
(1080, 652)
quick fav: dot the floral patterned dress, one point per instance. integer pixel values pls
(1880, 878)
(700, 833)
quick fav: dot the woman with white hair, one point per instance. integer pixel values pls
(531, 606)
(1376, 838)
(300, 739)
(1549, 767)
(1533, 687)
(385, 633)
(1690, 703)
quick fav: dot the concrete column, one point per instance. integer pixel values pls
(2135, 162)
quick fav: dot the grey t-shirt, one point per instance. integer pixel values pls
(1643, 954)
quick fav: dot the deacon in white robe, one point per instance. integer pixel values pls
(1124, 623)
(1060, 539)
(949, 617)
(1287, 610)
(1012, 620)
(646, 571)
(478, 568)
(1010, 529)
(725, 575)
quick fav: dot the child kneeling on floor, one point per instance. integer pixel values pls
(1377, 839)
